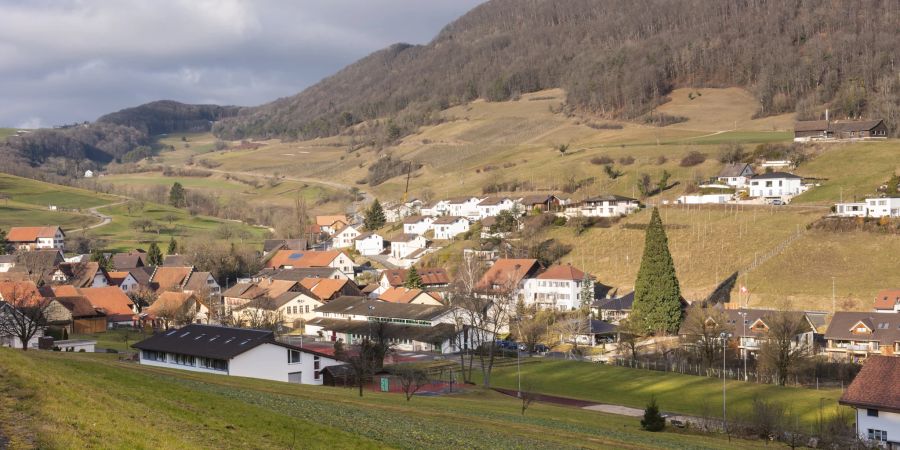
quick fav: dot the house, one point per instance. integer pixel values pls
(331, 224)
(125, 281)
(448, 227)
(177, 308)
(36, 238)
(344, 238)
(433, 278)
(7, 262)
(735, 174)
(603, 206)
(258, 291)
(170, 278)
(233, 351)
(704, 199)
(750, 327)
(508, 275)
(875, 395)
(271, 245)
(410, 296)
(887, 300)
(493, 206)
(89, 174)
(175, 261)
(78, 315)
(436, 209)
(776, 185)
(369, 243)
(297, 308)
(858, 335)
(825, 130)
(327, 289)
(883, 207)
(405, 245)
(111, 301)
(397, 212)
(596, 332)
(417, 224)
(614, 309)
(289, 259)
(850, 209)
(464, 207)
(202, 282)
(540, 203)
(88, 274)
(130, 260)
(558, 287)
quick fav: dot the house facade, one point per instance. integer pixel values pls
(558, 287)
(368, 244)
(417, 224)
(36, 238)
(464, 207)
(857, 335)
(826, 130)
(448, 227)
(407, 244)
(736, 175)
(603, 206)
(344, 238)
(493, 206)
(873, 394)
(233, 351)
(780, 185)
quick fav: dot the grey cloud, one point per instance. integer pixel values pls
(66, 61)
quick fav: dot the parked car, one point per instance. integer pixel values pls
(778, 202)
(541, 348)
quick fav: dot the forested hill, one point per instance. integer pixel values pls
(112, 136)
(167, 116)
(616, 58)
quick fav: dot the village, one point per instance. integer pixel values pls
(349, 302)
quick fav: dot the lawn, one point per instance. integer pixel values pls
(15, 214)
(38, 193)
(684, 394)
(849, 171)
(60, 400)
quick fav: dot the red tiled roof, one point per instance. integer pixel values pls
(327, 221)
(429, 276)
(30, 234)
(404, 295)
(507, 271)
(876, 386)
(165, 278)
(887, 298)
(300, 259)
(167, 302)
(111, 299)
(561, 272)
(324, 288)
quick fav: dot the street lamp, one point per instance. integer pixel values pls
(724, 337)
(743, 315)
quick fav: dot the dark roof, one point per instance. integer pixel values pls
(297, 274)
(285, 244)
(771, 175)
(175, 261)
(601, 327)
(623, 303)
(885, 327)
(197, 281)
(130, 260)
(811, 125)
(876, 386)
(363, 306)
(406, 237)
(492, 201)
(414, 219)
(446, 220)
(538, 199)
(207, 341)
(78, 306)
(853, 125)
(736, 317)
(142, 275)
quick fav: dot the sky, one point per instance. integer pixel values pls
(65, 61)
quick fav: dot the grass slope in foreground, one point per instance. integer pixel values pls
(54, 400)
(683, 394)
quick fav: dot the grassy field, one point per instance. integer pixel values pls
(54, 400)
(4, 132)
(15, 214)
(684, 394)
(38, 193)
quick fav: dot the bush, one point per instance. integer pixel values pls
(661, 160)
(662, 119)
(626, 160)
(732, 153)
(653, 420)
(601, 160)
(560, 221)
(692, 159)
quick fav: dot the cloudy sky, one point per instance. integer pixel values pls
(63, 61)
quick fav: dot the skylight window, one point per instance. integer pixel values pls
(229, 340)
(244, 341)
(185, 334)
(213, 338)
(199, 337)
(171, 332)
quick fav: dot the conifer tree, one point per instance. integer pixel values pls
(176, 195)
(657, 295)
(154, 255)
(374, 216)
(587, 293)
(413, 280)
(3, 242)
(653, 420)
(173, 247)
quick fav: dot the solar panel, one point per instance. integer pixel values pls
(295, 256)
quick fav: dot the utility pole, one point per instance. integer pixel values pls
(832, 296)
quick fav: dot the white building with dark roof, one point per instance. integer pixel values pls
(776, 185)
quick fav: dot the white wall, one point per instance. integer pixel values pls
(775, 187)
(886, 421)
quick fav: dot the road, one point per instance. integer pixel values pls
(333, 184)
(104, 219)
(384, 261)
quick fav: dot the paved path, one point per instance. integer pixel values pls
(104, 219)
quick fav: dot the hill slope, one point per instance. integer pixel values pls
(167, 116)
(613, 57)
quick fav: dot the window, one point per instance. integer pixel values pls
(877, 435)
(872, 412)
(152, 355)
(316, 364)
(183, 360)
(293, 356)
(214, 364)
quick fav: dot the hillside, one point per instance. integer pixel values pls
(167, 116)
(615, 58)
(43, 404)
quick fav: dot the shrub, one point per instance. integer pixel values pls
(661, 160)
(731, 153)
(653, 420)
(663, 119)
(601, 160)
(626, 160)
(604, 126)
(692, 159)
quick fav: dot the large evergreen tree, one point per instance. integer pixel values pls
(3, 242)
(374, 216)
(176, 195)
(154, 255)
(413, 280)
(587, 293)
(657, 296)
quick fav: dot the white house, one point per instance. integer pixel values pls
(406, 245)
(736, 174)
(400, 211)
(344, 238)
(492, 206)
(850, 209)
(464, 207)
(369, 243)
(703, 199)
(883, 207)
(873, 394)
(233, 351)
(417, 224)
(88, 174)
(558, 287)
(447, 227)
(780, 185)
(125, 281)
(438, 208)
(603, 206)
(36, 238)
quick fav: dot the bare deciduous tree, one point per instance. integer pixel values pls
(781, 350)
(702, 331)
(23, 313)
(411, 380)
